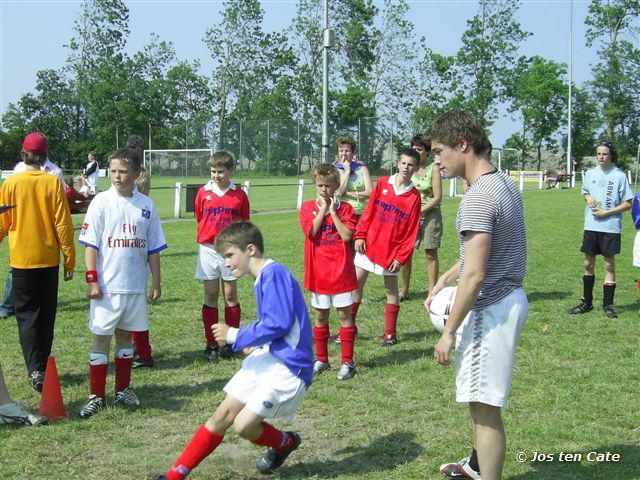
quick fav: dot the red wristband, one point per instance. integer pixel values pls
(91, 276)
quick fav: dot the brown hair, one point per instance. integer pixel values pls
(346, 140)
(128, 157)
(222, 158)
(455, 125)
(327, 171)
(239, 235)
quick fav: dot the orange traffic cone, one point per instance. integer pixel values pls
(51, 404)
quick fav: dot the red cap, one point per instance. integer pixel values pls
(35, 143)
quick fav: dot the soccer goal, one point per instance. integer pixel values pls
(178, 163)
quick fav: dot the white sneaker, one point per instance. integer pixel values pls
(13, 413)
(126, 398)
(319, 367)
(347, 371)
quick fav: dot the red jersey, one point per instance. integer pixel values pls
(389, 223)
(216, 209)
(328, 260)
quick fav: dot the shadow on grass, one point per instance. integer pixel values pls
(384, 453)
(550, 296)
(189, 253)
(80, 304)
(395, 356)
(627, 467)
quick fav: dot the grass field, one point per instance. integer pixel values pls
(575, 387)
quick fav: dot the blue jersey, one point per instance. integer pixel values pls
(283, 321)
(610, 188)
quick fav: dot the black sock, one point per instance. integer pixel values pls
(608, 291)
(473, 461)
(588, 281)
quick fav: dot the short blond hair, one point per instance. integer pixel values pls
(327, 171)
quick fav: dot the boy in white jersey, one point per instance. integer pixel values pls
(608, 194)
(122, 233)
(490, 307)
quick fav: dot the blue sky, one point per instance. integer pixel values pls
(33, 34)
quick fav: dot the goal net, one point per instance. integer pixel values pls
(178, 163)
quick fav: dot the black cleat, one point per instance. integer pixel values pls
(273, 459)
(584, 307)
(609, 311)
(210, 353)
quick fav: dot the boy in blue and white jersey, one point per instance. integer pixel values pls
(278, 371)
(123, 239)
(608, 194)
(635, 213)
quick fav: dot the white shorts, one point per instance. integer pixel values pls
(266, 386)
(324, 302)
(362, 261)
(210, 265)
(126, 311)
(485, 350)
(636, 250)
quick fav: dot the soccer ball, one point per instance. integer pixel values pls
(441, 306)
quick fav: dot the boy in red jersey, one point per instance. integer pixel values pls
(329, 273)
(218, 204)
(385, 237)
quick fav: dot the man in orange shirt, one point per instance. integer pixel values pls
(39, 227)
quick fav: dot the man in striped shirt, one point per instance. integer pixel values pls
(490, 307)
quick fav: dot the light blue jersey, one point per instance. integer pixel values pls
(610, 188)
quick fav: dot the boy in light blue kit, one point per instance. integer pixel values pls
(277, 373)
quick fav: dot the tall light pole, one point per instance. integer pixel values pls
(328, 37)
(570, 102)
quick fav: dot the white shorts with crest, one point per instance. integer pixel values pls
(324, 302)
(362, 261)
(266, 386)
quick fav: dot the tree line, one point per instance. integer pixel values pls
(379, 69)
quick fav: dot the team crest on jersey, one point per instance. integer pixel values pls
(146, 213)
(85, 227)
(208, 197)
(385, 191)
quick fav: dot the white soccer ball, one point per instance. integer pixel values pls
(441, 306)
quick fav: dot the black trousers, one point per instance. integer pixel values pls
(35, 296)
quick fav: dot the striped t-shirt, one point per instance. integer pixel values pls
(493, 205)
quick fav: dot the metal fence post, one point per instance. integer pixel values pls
(300, 194)
(178, 200)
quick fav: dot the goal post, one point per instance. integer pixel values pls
(178, 163)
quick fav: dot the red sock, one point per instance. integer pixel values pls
(272, 437)
(321, 337)
(123, 373)
(201, 445)
(232, 316)
(391, 318)
(209, 318)
(98, 379)
(348, 338)
(141, 339)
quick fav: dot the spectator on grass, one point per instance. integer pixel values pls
(218, 203)
(11, 413)
(40, 227)
(355, 180)
(6, 308)
(71, 192)
(91, 172)
(635, 213)
(608, 194)
(550, 177)
(428, 182)
(385, 236)
(490, 306)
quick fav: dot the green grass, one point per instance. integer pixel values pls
(575, 386)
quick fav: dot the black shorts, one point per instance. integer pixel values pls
(600, 243)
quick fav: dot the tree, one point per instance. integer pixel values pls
(538, 93)
(617, 75)
(487, 56)
(585, 121)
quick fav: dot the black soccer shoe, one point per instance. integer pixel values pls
(273, 459)
(584, 307)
